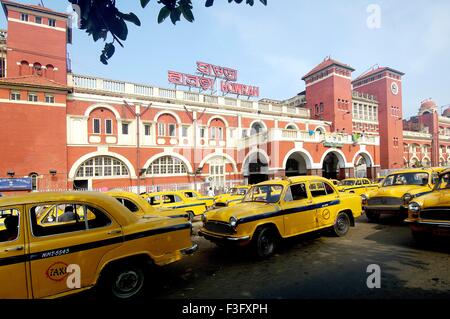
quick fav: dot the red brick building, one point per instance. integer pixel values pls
(71, 131)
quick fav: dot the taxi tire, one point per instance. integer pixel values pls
(123, 271)
(341, 225)
(265, 242)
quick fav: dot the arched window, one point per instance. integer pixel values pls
(102, 166)
(24, 68)
(37, 69)
(217, 130)
(256, 128)
(34, 181)
(167, 165)
(167, 126)
(291, 127)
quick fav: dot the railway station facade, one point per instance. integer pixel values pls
(63, 130)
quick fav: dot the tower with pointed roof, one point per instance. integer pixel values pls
(386, 84)
(329, 94)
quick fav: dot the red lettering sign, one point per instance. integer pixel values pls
(178, 78)
(239, 89)
(217, 71)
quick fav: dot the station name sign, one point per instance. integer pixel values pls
(15, 184)
(206, 80)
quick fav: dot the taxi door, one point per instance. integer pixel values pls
(13, 274)
(325, 197)
(298, 210)
(57, 243)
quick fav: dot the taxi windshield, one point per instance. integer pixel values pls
(419, 178)
(264, 194)
(444, 181)
(348, 182)
(237, 191)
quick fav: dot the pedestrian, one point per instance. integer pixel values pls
(210, 191)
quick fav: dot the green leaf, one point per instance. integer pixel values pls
(187, 12)
(264, 2)
(209, 3)
(163, 14)
(118, 27)
(131, 17)
(175, 15)
(107, 53)
(144, 3)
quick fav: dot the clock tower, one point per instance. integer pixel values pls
(386, 85)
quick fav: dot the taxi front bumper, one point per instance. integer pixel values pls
(223, 238)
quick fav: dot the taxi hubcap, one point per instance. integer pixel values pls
(266, 244)
(128, 283)
(342, 224)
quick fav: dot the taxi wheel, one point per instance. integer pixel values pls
(124, 281)
(342, 225)
(265, 242)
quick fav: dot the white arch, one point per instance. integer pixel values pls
(320, 128)
(258, 121)
(340, 155)
(215, 117)
(414, 158)
(248, 156)
(84, 158)
(304, 153)
(212, 155)
(173, 154)
(364, 154)
(99, 105)
(291, 124)
(160, 113)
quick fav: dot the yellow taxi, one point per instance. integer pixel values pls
(190, 193)
(232, 197)
(142, 208)
(112, 249)
(335, 182)
(176, 200)
(283, 208)
(357, 186)
(429, 215)
(398, 189)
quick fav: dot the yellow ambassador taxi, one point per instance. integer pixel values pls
(190, 193)
(357, 186)
(176, 200)
(429, 215)
(398, 189)
(142, 208)
(280, 209)
(112, 249)
(232, 197)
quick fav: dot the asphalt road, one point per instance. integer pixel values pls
(314, 266)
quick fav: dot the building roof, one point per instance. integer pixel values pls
(31, 7)
(325, 64)
(376, 71)
(33, 81)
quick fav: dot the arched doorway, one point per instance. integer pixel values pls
(256, 168)
(297, 165)
(333, 164)
(256, 128)
(363, 166)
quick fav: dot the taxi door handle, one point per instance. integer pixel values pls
(18, 248)
(115, 232)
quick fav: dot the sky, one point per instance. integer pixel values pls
(273, 46)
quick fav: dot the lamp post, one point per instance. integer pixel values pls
(194, 121)
(138, 116)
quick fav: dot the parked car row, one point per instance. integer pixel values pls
(116, 237)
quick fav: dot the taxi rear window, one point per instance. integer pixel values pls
(53, 219)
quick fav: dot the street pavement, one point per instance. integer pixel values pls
(314, 266)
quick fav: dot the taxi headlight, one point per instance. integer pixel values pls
(233, 221)
(407, 198)
(414, 207)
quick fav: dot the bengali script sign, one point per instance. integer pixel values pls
(217, 71)
(178, 78)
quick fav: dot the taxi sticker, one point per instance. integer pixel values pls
(57, 271)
